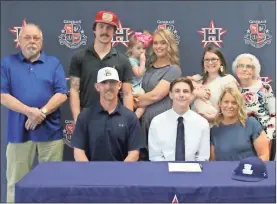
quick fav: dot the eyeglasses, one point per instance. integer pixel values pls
(29, 38)
(211, 60)
(247, 66)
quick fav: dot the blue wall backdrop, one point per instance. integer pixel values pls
(237, 27)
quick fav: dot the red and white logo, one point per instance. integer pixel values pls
(121, 35)
(16, 30)
(212, 35)
(68, 131)
(258, 35)
(72, 34)
(170, 26)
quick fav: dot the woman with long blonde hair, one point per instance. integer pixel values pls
(163, 68)
(235, 135)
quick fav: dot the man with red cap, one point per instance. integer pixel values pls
(86, 63)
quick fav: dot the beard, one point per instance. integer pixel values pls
(30, 51)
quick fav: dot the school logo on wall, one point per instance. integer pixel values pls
(68, 131)
(170, 26)
(16, 30)
(257, 35)
(212, 35)
(121, 35)
(73, 36)
(266, 80)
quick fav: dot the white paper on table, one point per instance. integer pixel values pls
(184, 167)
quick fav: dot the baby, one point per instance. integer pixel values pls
(201, 106)
(138, 43)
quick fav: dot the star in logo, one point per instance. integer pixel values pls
(212, 35)
(16, 30)
(121, 35)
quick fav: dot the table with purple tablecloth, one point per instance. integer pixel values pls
(110, 182)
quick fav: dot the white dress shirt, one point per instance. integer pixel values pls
(163, 132)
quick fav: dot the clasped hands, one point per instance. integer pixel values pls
(35, 117)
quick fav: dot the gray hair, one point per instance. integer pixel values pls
(255, 61)
(30, 24)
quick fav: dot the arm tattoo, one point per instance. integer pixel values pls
(75, 83)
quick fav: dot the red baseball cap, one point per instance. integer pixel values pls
(106, 17)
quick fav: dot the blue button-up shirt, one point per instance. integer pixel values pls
(33, 83)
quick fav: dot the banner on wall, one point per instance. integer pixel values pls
(73, 36)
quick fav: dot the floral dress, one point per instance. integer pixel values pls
(260, 103)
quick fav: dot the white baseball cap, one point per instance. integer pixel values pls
(107, 73)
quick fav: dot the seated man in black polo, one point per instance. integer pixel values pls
(107, 131)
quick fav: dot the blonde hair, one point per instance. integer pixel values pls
(133, 41)
(173, 51)
(242, 116)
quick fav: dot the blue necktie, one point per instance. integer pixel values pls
(180, 141)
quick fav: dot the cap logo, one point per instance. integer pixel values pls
(107, 73)
(247, 169)
(107, 17)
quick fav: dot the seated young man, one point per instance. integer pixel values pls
(179, 134)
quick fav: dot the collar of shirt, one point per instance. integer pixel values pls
(112, 51)
(40, 59)
(186, 115)
(99, 108)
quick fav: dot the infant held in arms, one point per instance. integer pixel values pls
(199, 105)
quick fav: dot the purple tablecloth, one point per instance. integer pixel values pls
(140, 182)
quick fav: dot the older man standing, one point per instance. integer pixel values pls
(33, 87)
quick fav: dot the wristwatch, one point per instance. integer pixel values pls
(44, 111)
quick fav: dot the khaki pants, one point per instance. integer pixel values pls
(20, 159)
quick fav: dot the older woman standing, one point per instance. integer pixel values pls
(236, 136)
(163, 69)
(258, 95)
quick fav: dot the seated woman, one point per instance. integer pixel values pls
(236, 136)
(210, 84)
(258, 95)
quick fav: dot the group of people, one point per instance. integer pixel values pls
(132, 106)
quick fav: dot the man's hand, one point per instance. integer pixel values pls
(30, 125)
(35, 115)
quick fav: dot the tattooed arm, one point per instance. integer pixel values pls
(74, 98)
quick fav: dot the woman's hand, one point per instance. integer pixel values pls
(137, 95)
(203, 93)
(209, 116)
